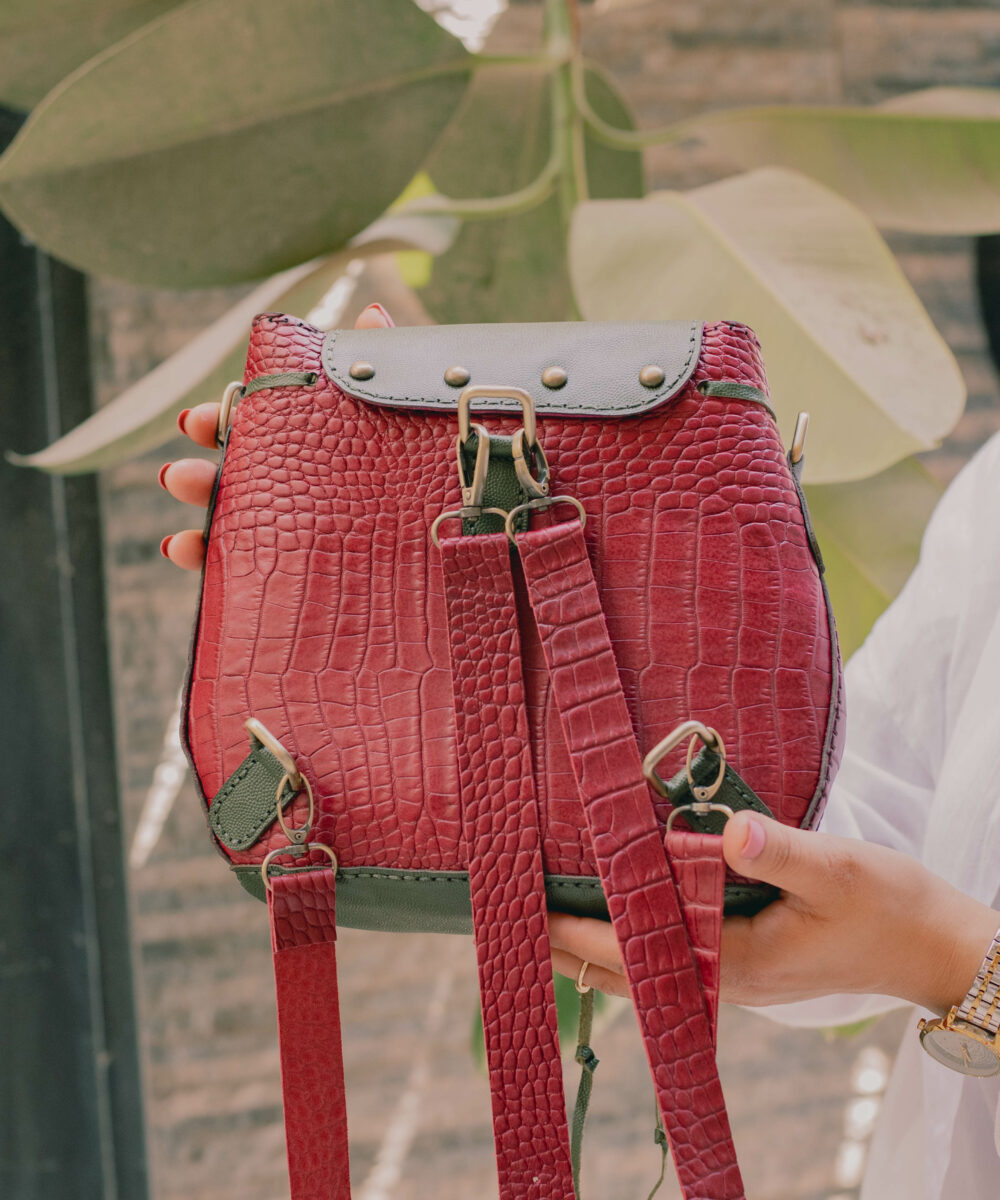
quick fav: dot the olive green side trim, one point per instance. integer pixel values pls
(280, 379)
(730, 390)
(735, 793)
(796, 469)
(396, 901)
(245, 805)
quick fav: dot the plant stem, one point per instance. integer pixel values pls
(509, 205)
(618, 139)
(486, 61)
(562, 44)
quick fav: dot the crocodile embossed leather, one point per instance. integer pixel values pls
(470, 713)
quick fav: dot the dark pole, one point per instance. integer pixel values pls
(71, 1123)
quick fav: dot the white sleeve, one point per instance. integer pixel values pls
(897, 689)
(897, 684)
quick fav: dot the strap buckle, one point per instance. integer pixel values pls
(538, 487)
(488, 392)
(703, 794)
(472, 493)
(304, 848)
(539, 505)
(293, 777)
(525, 443)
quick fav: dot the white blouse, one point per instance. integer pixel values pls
(921, 773)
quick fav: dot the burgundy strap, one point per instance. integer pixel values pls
(629, 847)
(303, 941)
(501, 831)
(700, 874)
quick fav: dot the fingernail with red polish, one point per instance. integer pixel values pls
(755, 839)
(388, 320)
(165, 545)
(181, 418)
(160, 477)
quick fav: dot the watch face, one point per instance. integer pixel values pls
(961, 1049)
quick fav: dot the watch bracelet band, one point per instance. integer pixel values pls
(981, 1005)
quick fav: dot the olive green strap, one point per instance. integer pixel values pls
(728, 389)
(588, 1065)
(733, 792)
(660, 1138)
(280, 379)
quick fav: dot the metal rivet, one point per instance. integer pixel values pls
(457, 376)
(651, 376)
(554, 377)
(362, 370)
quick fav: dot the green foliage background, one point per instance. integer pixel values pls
(215, 141)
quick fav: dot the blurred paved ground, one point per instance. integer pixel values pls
(202, 945)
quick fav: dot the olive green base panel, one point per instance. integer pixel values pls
(395, 901)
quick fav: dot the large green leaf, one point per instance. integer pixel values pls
(41, 41)
(843, 333)
(928, 162)
(869, 532)
(145, 415)
(514, 269)
(227, 141)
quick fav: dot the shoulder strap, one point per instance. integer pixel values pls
(303, 914)
(629, 847)
(501, 832)
(700, 873)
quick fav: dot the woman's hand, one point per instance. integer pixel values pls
(852, 917)
(191, 479)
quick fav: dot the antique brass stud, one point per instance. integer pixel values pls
(651, 376)
(554, 377)
(457, 376)
(361, 370)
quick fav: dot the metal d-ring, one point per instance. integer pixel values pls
(484, 392)
(798, 447)
(461, 514)
(297, 850)
(540, 505)
(701, 809)
(702, 804)
(226, 409)
(296, 836)
(263, 735)
(692, 730)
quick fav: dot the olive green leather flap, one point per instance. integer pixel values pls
(604, 364)
(246, 804)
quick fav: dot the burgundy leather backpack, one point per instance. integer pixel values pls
(484, 610)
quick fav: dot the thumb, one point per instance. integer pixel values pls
(760, 848)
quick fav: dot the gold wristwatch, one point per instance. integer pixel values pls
(967, 1039)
